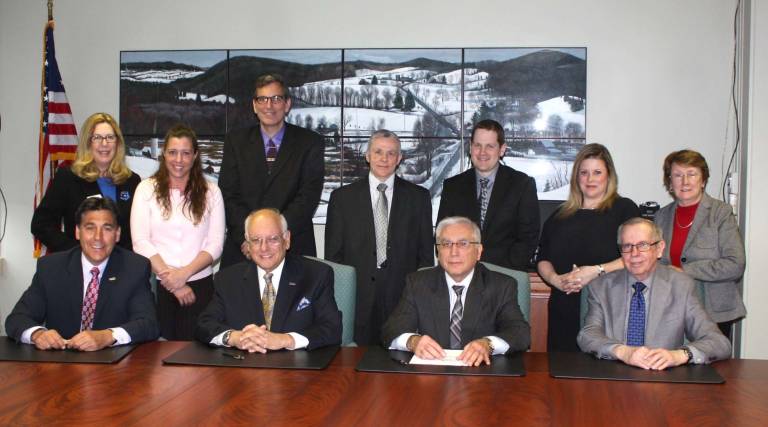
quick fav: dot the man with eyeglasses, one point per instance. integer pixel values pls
(274, 301)
(501, 200)
(271, 165)
(380, 224)
(642, 314)
(459, 304)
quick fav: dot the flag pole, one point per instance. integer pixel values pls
(50, 10)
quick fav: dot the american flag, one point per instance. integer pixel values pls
(58, 134)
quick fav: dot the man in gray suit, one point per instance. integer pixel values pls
(460, 304)
(621, 301)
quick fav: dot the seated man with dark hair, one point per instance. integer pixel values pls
(459, 304)
(641, 314)
(96, 295)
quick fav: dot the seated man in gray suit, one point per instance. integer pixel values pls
(89, 297)
(640, 315)
(459, 304)
(273, 301)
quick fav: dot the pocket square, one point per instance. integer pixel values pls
(304, 303)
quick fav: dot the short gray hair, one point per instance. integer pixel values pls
(271, 211)
(656, 233)
(452, 220)
(383, 133)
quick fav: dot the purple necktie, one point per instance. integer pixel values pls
(271, 154)
(89, 303)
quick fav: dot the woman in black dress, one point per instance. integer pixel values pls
(578, 241)
(99, 170)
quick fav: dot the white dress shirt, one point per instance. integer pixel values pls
(374, 182)
(499, 345)
(299, 341)
(120, 335)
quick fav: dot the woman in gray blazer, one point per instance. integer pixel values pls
(702, 237)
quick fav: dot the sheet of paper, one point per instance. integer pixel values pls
(450, 359)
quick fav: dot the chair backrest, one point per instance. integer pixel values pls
(523, 287)
(344, 291)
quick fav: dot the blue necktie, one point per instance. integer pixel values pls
(636, 324)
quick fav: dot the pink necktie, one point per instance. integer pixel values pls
(89, 302)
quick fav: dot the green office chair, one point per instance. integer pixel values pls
(523, 286)
(344, 291)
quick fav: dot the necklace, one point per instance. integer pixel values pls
(677, 223)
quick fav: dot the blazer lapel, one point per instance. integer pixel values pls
(702, 213)
(107, 283)
(287, 293)
(287, 147)
(253, 154)
(441, 308)
(660, 296)
(75, 281)
(497, 194)
(620, 306)
(396, 212)
(470, 190)
(473, 307)
(252, 295)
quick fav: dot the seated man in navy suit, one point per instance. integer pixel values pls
(272, 301)
(89, 297)
(641, 314)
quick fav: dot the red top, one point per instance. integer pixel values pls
(683, 222)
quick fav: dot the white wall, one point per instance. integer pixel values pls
(658, 71)
(756, 292)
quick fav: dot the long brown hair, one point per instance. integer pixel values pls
(575, 196)
(196, 189)
(85, 167)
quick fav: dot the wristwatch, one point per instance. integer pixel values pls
(600, 269)
(688, 353)
(490, 345)
(225, 338)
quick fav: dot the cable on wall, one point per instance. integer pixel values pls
(724, 189)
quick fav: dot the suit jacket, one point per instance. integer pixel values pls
(511, 231)
(713, 254)
(62, 200)
(674, 313)
(55, 298)
(293, 186)
(491, 308)
(237, 302)
(350, 238)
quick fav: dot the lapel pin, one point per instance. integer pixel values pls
(291, 283)
(112, 279)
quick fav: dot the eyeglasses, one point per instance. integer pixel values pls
(109, 138)
(461, 244)
(678, 177)
(626, 248)
(272, 241)
(276, 99)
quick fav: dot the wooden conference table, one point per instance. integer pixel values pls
(139, 390)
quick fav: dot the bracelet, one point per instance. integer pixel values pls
(601, 270)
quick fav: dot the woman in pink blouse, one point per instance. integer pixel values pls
(177, 221)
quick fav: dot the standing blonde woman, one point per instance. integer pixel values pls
(177, 222)
(99, 170)
(578, 242)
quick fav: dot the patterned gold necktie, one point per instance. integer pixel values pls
(268, 300)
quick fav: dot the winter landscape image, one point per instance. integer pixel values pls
(430, 97)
